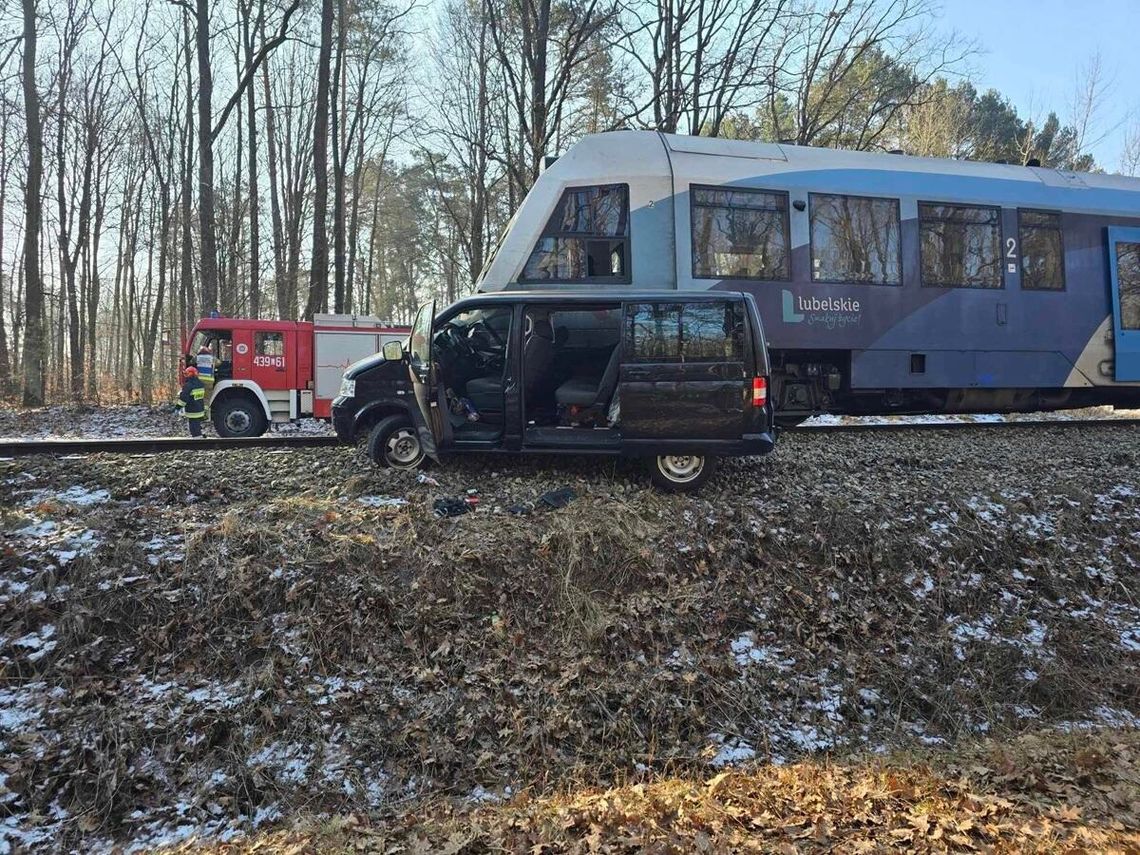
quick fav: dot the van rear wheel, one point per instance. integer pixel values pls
(681, 473)
(395, 444)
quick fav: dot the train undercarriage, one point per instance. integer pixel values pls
(808, 383)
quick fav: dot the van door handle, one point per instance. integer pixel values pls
(1001, 314)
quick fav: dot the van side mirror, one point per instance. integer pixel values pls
(393, 351)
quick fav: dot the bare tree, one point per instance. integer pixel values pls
(318, 274)
(538, 55)
(466, 132)
(845, 69)
(33, 284)
(1130, 156)
(699, 61)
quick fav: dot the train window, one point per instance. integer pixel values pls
(960, 246)
(855, 239)
(1128, 281)
(688, 332)
(739, 234)
(1042, 251)
(586, 238)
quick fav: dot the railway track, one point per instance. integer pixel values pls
(157, 445)
(904, 427)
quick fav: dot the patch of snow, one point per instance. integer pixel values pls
(985, 509)
(82, 497)
(18, 710)
(482, 796)
(40, 643)
(289, 763)
(731, 750)
(41, 528)
(746, 652)
(382, 501)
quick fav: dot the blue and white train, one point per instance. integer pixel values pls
(886, 283)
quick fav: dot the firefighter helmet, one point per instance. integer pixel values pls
(191, 371)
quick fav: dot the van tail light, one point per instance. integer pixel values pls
(759, 391)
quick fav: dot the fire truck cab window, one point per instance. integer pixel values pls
(269, 344)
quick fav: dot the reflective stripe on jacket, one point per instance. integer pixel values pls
(193, 398)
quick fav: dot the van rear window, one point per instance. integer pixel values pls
(685, 332)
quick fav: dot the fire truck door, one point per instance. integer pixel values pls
(241, 353)
(272, 367)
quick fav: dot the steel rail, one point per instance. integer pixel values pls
(903, 427)
(153, 445)
(10, 448)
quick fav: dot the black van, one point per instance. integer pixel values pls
(679, 378)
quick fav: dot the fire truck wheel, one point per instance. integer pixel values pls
(393, 443)
(239, 417)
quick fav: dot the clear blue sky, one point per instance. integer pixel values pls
(1033, 50)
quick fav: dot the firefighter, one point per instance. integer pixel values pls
(205, 364)
(192, 401)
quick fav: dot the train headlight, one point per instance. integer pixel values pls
(347, 388)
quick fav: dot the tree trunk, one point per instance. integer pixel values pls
(340, 155)
(285, 289)
(318, 277)
(5, 165)
(206, 216)
(33, 285)
(187, 272)
(254, 225)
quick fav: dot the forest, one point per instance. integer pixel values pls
(280, 158)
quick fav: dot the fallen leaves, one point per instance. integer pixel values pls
(920, 803)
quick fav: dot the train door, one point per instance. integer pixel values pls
(1124, 272)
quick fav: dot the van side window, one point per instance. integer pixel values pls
(855, 239)
(586, 238)
(739, 234)
(685, 332)
(960, 246)
(1042, 251)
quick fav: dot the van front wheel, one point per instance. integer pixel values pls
(681, 473)
(393, 443)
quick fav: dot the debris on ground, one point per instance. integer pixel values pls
(559, 498)
(450, 506)
(210, 654)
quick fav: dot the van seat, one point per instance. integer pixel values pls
(586, 391)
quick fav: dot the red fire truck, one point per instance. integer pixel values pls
(272, 372)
